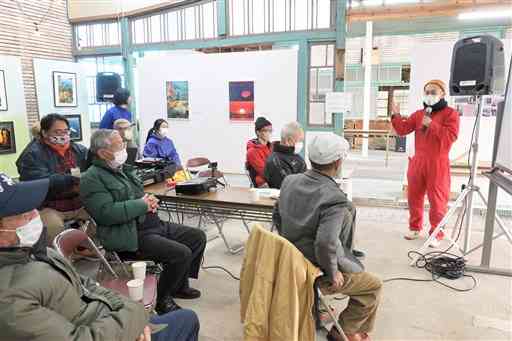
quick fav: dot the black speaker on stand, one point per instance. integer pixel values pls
(478, 67)
(106, 85)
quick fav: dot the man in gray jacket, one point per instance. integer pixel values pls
(315, 215)
(43, 298)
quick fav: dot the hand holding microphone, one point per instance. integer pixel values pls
(427, 119)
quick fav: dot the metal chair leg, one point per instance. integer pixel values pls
(331, 315)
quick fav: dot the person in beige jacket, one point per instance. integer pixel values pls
(276, 290)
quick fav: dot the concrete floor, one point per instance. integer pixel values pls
(409, 310)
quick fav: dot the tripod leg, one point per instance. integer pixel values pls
(500, 222)
(455, 227)
(441, 225)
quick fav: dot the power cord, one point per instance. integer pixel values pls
(218, 267)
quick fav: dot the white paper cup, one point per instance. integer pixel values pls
(255, 195)
(139, 270)
(136, 289)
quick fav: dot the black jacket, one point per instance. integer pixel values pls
(282, 162)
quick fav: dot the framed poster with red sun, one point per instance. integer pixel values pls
(241, 101)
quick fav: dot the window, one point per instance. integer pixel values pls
(97, 34)
(389, 94)
(382, 103)
(267, 16)
(321, 81)
(185, 23)
(93, 65)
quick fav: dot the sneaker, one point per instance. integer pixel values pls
(166, 305)
(434, 243)
(412, 235)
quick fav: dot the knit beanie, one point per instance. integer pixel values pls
(261, 122)
(437, 82)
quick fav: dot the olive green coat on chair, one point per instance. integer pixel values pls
(113, 198)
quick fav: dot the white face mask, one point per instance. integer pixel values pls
(119, 159)
(59, 140)
(339, 172)
(30, 233)
(298, 147)
(431, 100)
(128, 135)
(163, 131)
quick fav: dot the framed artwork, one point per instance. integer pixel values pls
(64, 89)
(241, 101)
(75, 126)
(3, 92)
(177, 99)
(7, 140)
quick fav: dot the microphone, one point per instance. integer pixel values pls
(428, 112)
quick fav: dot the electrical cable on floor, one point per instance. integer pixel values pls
(218, 267)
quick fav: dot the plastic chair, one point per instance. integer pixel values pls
(68, 240)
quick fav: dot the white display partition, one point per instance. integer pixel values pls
(433, 61)
(209, 132)
(43, 73)
(16, 111)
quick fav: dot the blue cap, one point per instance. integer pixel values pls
(20, 197)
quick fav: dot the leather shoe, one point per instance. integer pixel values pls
(187, 294)
(166, 305)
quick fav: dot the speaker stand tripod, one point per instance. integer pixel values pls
(465, 202)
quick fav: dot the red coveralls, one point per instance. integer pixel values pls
(429, 169)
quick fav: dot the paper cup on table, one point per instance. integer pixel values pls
(139, 270)
(136, 289)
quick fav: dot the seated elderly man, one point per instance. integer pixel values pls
(42, 298)
(315, 215)
(128, 223)
(125, 129)
(285, 158)
(54, 156)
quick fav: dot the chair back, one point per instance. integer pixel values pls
(68, 240)
(197, 162)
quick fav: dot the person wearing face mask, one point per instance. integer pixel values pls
(436, 128)
(125, 129)
(159, 145)
(55, 157)
(314, 214)
(128, 223)
(258, 151)
(285, 158)
(122, 100)
(43, 298)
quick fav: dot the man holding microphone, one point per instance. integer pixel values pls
(436, 128)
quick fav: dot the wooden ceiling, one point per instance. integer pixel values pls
(422, 9)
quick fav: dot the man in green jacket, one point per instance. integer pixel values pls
(43, 298)
(128, 223)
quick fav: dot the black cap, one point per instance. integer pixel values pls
(20, 197)
(261, 122)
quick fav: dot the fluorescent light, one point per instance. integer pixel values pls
(495, 14)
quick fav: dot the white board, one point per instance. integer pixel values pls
(504, 154)
(209, 132)
(338, 102)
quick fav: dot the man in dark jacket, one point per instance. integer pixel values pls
(285, 158)
(53, 156)
(42, 298)
(315, 215)
(128, 223)
(258, 150)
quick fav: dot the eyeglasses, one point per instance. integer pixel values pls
(432, 92)
(267, 130)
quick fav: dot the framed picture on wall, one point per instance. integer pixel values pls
(7, 140)
(177, 99)
(75, 126)
(3, 92)
(64, 89)
(241, 101)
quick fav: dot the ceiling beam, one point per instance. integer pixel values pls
(412, 11)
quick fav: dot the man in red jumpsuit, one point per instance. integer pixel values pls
(429, 169)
